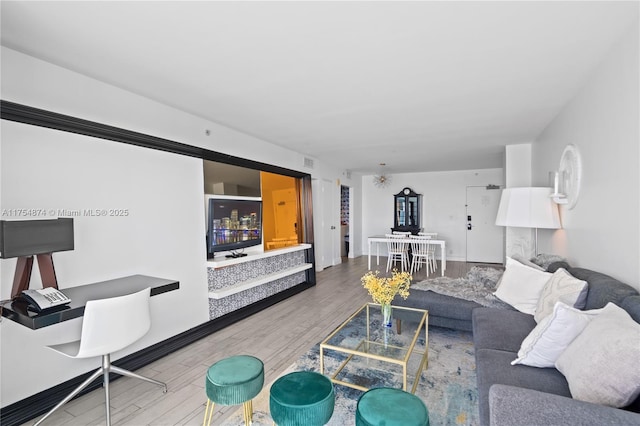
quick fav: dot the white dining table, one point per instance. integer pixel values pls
(381, 239)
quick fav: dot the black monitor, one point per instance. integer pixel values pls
(32, 237)
(233, 224)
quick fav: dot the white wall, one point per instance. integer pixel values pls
(518, 165)
(519, 241)
(163, 236)
(443, 204)
(602, 232)
(54, 171)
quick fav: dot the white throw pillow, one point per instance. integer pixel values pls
(546, 342)
(601, 364)
(521, 286)
(561, 287)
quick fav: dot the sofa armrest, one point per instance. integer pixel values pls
(514, 406)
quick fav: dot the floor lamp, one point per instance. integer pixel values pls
(528, 208)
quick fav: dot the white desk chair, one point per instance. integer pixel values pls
(398, 250)
(108, 326)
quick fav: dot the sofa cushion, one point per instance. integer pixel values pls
(514, 406)
(602, 288)
(631, 304)
(438, 305)
(601, 364)
(521, 286)
(542, 347)
(500, 329)
(494, 367)
(561, 287)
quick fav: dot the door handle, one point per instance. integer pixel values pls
(333, 227)
(469, 227)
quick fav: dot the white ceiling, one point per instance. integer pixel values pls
(421, 86)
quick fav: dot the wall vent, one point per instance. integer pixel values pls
(308, 162)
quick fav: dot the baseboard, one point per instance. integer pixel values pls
(40, 403)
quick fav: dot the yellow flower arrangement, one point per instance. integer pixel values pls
(384, 289)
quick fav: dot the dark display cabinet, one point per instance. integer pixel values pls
(407, 211)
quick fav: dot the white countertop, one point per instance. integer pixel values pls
(255, 256)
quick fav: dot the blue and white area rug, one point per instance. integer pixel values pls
(447, 387)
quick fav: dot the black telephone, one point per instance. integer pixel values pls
(45, 298)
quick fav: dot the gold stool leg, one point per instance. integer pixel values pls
(208, 411)
(248, 412)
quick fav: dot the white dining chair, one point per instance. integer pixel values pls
(433, 235)
(420, 253)
(431, 250)
(108, 325)
(398, 251)
(433, 265)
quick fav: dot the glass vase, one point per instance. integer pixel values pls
(386, 314)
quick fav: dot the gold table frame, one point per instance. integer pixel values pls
(365, 345)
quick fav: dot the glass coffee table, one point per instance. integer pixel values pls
(366, 354)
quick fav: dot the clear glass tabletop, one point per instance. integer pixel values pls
(363, 339)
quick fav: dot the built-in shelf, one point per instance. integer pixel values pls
(235, 283)
(255, 256)
(249, 284)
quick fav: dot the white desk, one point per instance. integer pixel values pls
(378, 239)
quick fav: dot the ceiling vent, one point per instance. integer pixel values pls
(308, 163)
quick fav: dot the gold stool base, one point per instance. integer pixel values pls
(247, 411)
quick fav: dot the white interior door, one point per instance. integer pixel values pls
(484, 237)
(325, 228)
(352, 219)
(332, 214)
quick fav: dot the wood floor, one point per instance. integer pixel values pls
(277, 335)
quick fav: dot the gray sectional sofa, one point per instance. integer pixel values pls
(513, 395)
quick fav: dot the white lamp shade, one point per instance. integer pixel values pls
(528, 208)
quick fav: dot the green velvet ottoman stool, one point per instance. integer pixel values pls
(232, 381)
(302, 398)
(391, 407)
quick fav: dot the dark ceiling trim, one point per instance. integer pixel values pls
(39, 117)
